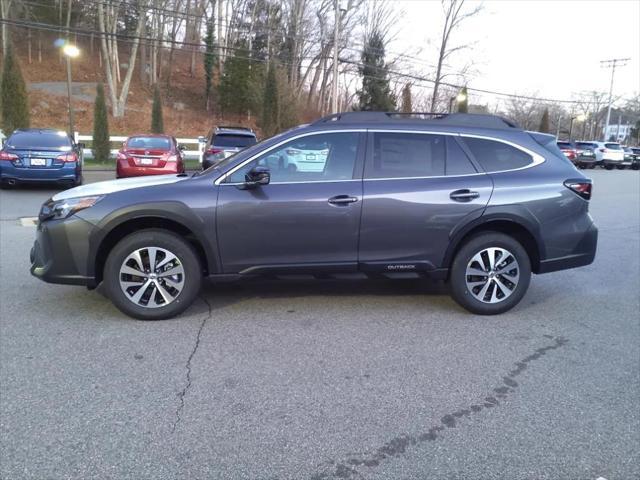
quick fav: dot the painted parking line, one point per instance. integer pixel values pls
(29, 221)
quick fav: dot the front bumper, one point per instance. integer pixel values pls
(583, 254)
(60, 252)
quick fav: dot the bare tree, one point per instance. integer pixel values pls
(5, 5)
(454, 15)
(106, 25)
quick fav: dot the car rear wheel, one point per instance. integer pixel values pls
(152, 275)
(490, 274)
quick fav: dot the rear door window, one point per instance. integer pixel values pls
(406, 155)
(457, 161)
(494, 156)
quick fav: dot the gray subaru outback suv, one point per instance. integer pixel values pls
(470, 199)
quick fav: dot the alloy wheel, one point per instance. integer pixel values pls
(151, 277)
(492, 275)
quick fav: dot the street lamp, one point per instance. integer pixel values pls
(70, 51)
(580, 118)
(460, 97)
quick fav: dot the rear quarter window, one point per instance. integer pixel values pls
(494, 156)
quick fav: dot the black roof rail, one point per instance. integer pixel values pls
(454, 119)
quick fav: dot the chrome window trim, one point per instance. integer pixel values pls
(537, 159)
(222, 177)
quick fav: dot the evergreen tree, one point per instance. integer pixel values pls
(463, 105)
(13, 94)
(406, 99)
(209, 60)
(101, 146)
(544, 122)
(157, 125)
(375, 93)
(270, 121)
(233, 92)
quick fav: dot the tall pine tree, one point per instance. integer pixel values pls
(157, 124)
(209, 60)
(101, 146)
(407, 107)
(270, 120)
(375, 93)
(544, 122)
(233, 91)
(13, 93)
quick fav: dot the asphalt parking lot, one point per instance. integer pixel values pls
(327, 379)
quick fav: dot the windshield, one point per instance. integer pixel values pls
(150, 143)
(230, 140)
(39, 139)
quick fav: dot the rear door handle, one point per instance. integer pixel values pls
(342, 200)
(464, 195)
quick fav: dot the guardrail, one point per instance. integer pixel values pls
(188, 154)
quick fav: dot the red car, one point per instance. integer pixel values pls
(149, 155)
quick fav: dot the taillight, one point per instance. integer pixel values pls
(68, 157)
(8, 156)
(172, 158)
(214, 150)
(580, 187)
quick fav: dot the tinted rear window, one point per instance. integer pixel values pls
(226, 140)
(400, 155)
(57, 140)
(613, 146)
(586, 145)
(159, 143)
(564, 145)
(496, 156)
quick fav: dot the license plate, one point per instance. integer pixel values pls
(311, 157)
(38, 162)
(146, 161)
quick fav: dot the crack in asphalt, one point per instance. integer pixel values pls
(187, 386)
(399, 445)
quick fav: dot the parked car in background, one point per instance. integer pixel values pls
(222, 142)
(586, 152)
(470, 199)
(149, 155)
(568, 149)
(40, 155)
(609, 155)
(631, 158)
(636, 163)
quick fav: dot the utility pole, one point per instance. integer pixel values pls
(612, 64)
(336, 36)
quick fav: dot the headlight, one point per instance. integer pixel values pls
(67, 207)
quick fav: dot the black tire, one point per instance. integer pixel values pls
(635, 167)
(187, 257)
(457, 277)
(608, 167)
(592, 166)
(620, 167)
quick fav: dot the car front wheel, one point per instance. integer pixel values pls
(490, 274)
(152, 275)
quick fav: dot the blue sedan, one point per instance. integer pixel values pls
(35, 155)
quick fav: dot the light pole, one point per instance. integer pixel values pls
(612, 64)
(70, 51)
(460, 97)
(580, 118)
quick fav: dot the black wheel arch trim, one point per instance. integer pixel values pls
(515, 214)
(173, 211)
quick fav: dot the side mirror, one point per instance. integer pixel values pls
(81, 145)
(256, 177)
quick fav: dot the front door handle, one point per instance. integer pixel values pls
(342, 200)
(463, 195)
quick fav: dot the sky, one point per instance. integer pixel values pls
(544, 47)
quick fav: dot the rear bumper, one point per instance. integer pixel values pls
(583, 254)
(61, 250)
(69, 172)
(126, 172)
